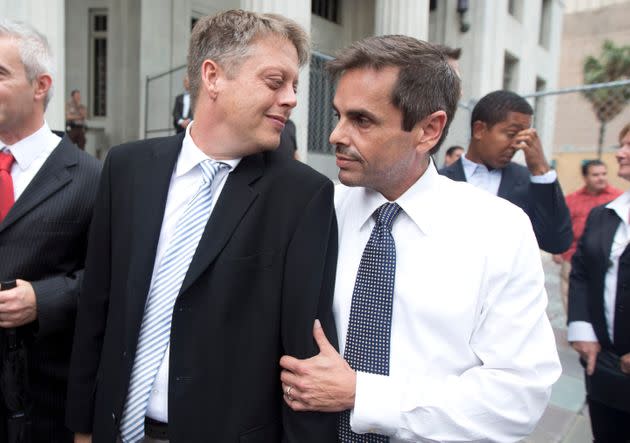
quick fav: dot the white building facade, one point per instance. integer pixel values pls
(108, 49)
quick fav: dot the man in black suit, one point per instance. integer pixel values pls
(47, 191)
(500, 126)
(182, 111)
(249, 289)
(599, 320)
(288, 143)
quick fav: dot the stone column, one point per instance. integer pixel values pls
(48, 17)
(123, 67)
(407, 17)
(300, 11)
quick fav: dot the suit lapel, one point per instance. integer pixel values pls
(149, 201)
(52, 176)
(607, 230)
(456, 171)
(510, 183)
(235, 199)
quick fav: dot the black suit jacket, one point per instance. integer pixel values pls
(178, 113)
(587, 282)
(588, 272)
(288, 143)
(43, 240)
(263, 272)
(543, 203)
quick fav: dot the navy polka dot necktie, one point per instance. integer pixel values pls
(369, 328)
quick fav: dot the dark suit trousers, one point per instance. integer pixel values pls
(609, 425)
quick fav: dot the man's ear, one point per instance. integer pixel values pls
(41, 86)
(429, 130)
(479, 129)
(211, 74)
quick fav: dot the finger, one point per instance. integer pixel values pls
(289, 378)
(295, 405)
(590, 363)
(289, 363)
(320, 338)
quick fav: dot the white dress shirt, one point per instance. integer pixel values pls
(582, 330)
(30, 153)
(473, 355)
(185, 107)
(186, 179)
(481, 177)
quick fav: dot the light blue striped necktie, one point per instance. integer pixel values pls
(156, 324)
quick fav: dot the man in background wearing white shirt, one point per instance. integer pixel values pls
(47, 191)
(427, 356)
(500, 126)
(599, 301)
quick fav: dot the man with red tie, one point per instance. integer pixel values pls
(47, 190)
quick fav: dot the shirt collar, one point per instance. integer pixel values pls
(418, 202)
(470, 166)
(29, 148)
(191, 155)
(621, 206)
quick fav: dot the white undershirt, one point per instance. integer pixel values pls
(30, 154)
(582, 330)
(186, 179)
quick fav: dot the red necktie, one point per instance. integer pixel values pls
(6, 184)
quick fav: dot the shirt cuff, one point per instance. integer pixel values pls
(545, 179)
(581, 331)
(376, 405)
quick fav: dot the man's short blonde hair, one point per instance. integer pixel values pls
(227, 37)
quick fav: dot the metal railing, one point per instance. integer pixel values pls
(159, 97)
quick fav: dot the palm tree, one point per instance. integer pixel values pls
(612, 64)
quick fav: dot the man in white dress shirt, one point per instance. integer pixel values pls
(47, 191)
(471, 357)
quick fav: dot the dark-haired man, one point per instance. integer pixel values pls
(424, 356)
(596, 191)
(452, 155)
(500, 126)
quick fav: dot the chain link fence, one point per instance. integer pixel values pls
(582, 123)
(588, 118)
(574, 124)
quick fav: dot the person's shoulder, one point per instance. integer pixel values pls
(615, 192)
(141, 147)
(572, 197)
(477, 206)
(450, 169)
(292, 173)
(598, 211)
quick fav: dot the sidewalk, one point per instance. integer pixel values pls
(566, 418)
